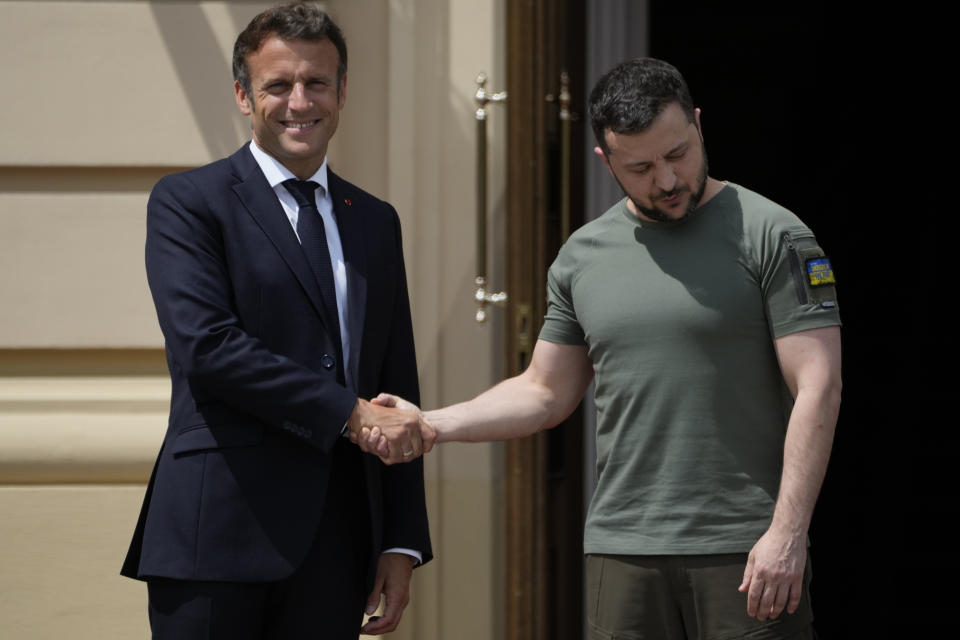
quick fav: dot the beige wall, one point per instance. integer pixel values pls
(102, 98)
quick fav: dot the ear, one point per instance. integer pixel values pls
(343, 91)
(603, 157)
(696, 121)
(243, 100)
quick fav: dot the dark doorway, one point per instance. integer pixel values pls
(544, 473)
(830, 111)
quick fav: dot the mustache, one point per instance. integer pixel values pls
(669, 194)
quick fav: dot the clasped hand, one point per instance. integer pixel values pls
(390, 428)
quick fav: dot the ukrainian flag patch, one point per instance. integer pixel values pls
(820, 272)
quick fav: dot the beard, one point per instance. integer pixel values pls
(696, 194)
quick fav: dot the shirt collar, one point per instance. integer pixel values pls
(276, 173)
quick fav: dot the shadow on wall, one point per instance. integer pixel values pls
(189, 38)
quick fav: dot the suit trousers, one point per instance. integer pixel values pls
(323, 599)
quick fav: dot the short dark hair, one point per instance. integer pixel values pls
(294, 21)
(630, 96)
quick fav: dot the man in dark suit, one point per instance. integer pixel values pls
(281, 293)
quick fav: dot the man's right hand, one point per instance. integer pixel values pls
(373, 439)
(390, 428)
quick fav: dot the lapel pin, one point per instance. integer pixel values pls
(347, 202)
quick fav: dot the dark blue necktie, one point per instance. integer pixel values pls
(313, 240)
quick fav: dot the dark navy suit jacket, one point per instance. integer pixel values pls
(239, 484)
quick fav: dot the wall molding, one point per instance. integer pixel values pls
(81, 430)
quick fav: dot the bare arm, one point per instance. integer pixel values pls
(810, 362)
(539, 398)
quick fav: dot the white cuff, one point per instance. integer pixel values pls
(410, 552)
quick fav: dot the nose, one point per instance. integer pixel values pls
(665, 177)
(298, 100)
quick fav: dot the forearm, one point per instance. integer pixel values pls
(539, 398)
(810, 362)
(515, 408)
(806, 453)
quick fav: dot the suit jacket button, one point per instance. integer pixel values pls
(327, 362)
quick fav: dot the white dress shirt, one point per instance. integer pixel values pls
(276, 174)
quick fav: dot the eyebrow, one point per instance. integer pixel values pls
(679, 147)
(283, 79)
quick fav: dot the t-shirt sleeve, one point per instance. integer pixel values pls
(560, 324)
(797, 278)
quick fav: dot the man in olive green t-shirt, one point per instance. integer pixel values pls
(707, 316)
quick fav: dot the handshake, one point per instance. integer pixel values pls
(390, 428)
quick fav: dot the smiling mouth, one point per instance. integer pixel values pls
(299, 125)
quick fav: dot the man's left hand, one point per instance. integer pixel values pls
(393, 582)
(773, 579)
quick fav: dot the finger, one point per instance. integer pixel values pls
(796, 593)
(753, 596)
(396, 601)
(381, 624)
(415, 448)
(373, 600)
(387, 622)
(385, 400)
(366, 435)
(780, 601)
(372, 439)
(407, 446)
(361, 442)
(410, 451)
(361, 439)
(389, 446)
(747, 575)
(371, 624)
(765, 608)
(376, 626)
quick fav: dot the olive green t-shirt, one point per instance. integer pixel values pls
(679, 319)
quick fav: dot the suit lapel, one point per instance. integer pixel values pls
(350, 225)
(261, 202)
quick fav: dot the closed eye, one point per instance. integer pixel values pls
(676, 154)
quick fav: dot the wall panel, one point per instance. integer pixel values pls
(122, 83)
(72, 269)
